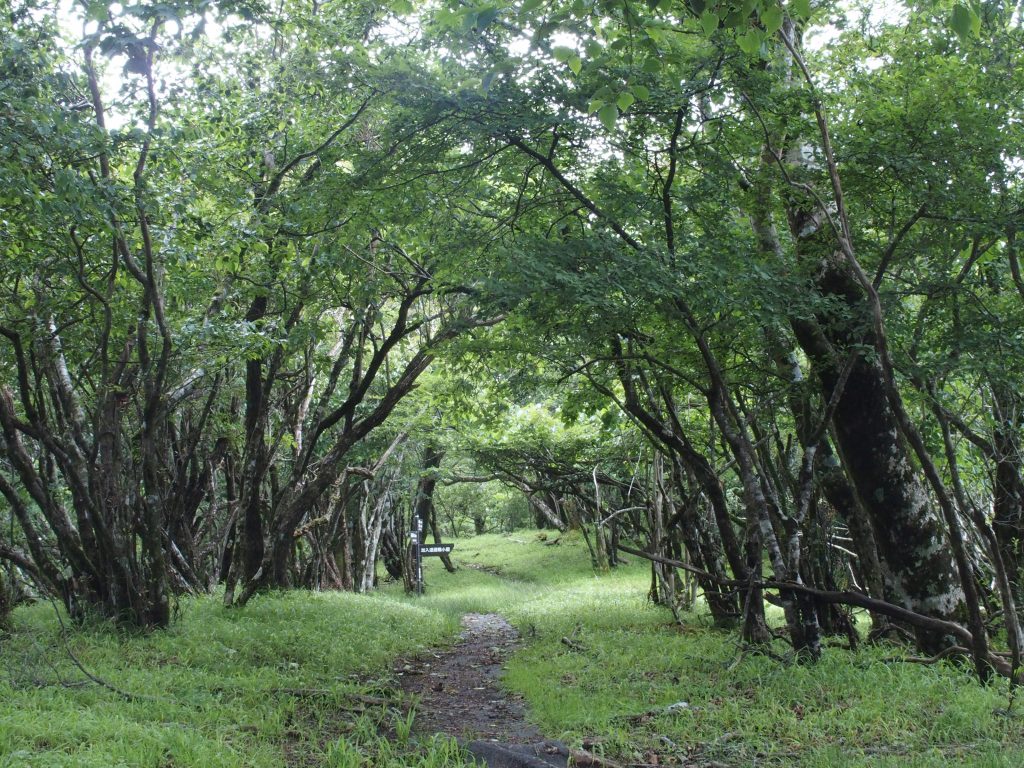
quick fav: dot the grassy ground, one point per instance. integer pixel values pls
(297, 679)
(851, 709)
(280, 680)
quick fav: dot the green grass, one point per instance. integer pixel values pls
(280, 682)
(240, 687)
(851, 709)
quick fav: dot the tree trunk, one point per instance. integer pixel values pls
(914, 555)
(1008, 491)
(251, 554)
(6, 601)
(704, 549)
(423, 508)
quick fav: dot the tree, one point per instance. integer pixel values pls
(750, 131)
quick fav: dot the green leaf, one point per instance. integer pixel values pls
(709, 22)
(965, 22)
(961, 21)
(772, 20)
(485, 17)
(735, 19)
(608, 114)
(642, 92)
(750, 42)
(801, 8)
(595, 104)
(652, 66)
(97, 11)
(401, 7)
(625, 100)
(575, 64)
(531, 5)
(562, 53)
(447, 19)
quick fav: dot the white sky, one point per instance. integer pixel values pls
(112, 68)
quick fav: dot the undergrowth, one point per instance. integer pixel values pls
(275, 683)
(303, 679)
(636, 686)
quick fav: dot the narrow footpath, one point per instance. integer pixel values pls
(460, 694)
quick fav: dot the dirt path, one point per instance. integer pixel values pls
(460, 695)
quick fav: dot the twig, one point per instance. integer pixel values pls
(586, 759)
(572, 644)
(943, 654)
(81, 667)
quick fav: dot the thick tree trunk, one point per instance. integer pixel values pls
(828, 473)
(251, 540)
(1008, 503)
(918, 571)
(423, 507)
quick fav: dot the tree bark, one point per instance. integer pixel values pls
(423, 507)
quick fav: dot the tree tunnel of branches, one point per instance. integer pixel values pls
(739, 295)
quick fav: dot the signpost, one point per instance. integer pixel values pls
(421, 550)
(435, 549)
(417, 561)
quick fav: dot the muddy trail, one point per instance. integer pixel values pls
(459, 694)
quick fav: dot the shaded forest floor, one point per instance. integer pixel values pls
(310, 680)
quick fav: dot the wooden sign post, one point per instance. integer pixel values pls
(421, 550)
(417, 562)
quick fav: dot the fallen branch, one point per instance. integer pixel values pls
(586, 759)
(570, 641)
(945, 653)
(572, 644)
(843, 597)
(126, 695)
